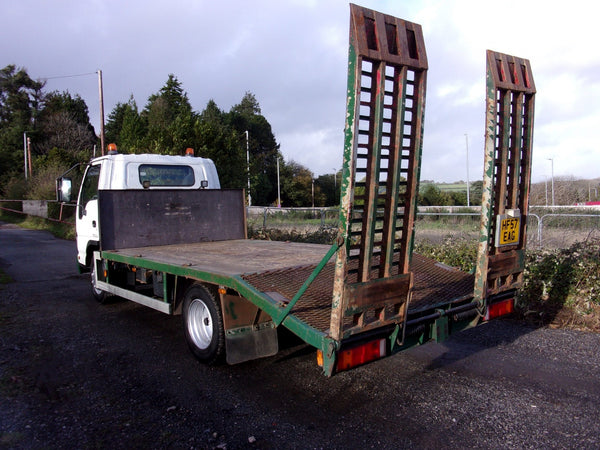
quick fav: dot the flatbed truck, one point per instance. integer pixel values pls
(181, 247)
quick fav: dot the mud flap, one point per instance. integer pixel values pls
(249, 332)
(247, 343)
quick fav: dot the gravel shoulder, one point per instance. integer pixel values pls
(76, 374)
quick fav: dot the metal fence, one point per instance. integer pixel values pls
(47, 209)
(547, 227)
(544, 228)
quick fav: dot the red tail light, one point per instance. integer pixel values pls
(500, 309)
(360, 354)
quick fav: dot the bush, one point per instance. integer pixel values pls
(15, 188)
(321, 236)
(560, 287)
(563, 286)
(42, 185)
(455, 251)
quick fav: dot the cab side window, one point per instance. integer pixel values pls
(89, 188)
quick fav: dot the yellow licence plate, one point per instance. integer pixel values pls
(509, 231)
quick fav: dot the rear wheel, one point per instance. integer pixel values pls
(203, 324)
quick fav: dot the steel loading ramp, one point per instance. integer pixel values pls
(387, 69)
(507, 174)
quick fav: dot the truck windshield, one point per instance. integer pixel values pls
(166, 175)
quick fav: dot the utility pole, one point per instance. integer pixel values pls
(101, 93)
(468, 188)
(552, 167)
(25, 154)
(29, 156)
(248, 165)
(278, 186)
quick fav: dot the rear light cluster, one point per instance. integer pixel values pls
(501, 308)
(357, 355)
(372, 350)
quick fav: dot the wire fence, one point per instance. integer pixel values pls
(546, 227)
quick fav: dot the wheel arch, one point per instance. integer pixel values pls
(184, 284)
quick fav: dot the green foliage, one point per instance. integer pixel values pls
(248, 107)
(56, 102)
(167, 125)
(126, 127)
(321, 236)
(246, 117)
(57, 125)
(132, 131)
(297, 187)
(433, 196)
(20, 102)
(42, 186)
(561, 287)
(329, 186)
(217, 140)
(455, 251)
(565, 279)
(476, 192)
(169, 119)
(14, 188)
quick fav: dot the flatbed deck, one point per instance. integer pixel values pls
(282, 267)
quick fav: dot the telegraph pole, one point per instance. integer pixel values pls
(248, 165)
(101, 93)
(25, 154)
(552, 167)
(29, 156)
(468, 189)
(278, 185)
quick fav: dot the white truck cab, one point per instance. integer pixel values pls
(126, 172)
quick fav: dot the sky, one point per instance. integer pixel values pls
(292, 55)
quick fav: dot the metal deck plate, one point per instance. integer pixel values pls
(434, 284)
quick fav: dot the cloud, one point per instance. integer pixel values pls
(292, 55)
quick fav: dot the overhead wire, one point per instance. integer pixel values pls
(70, 76)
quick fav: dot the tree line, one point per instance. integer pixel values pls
(58, 127)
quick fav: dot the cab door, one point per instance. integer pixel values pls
(87, 215)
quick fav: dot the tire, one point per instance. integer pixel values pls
(203, 324)
(99, 295)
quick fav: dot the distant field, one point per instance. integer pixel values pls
(454, 187)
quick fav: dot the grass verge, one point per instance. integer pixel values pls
(58, 229)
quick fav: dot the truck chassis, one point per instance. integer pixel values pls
(367, 295)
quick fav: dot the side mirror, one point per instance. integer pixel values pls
(203, 184)
(63, 189)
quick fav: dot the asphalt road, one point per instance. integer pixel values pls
(77, 374)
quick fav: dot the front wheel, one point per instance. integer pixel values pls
(100, 295)
(203, 324)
